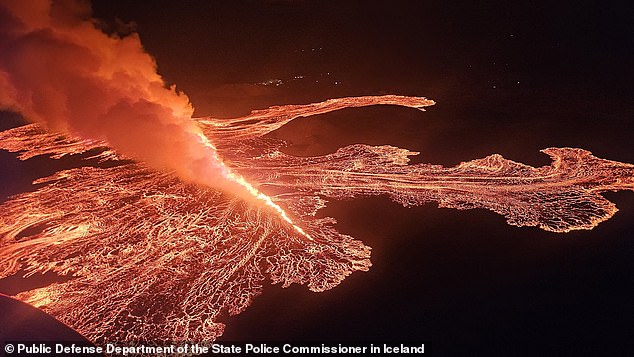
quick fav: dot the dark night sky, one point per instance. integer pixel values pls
(509, 77)
(500, 64)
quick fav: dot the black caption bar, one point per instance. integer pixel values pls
(216, 349)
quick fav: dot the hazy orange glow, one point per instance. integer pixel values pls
(155, 257)
(66, 74)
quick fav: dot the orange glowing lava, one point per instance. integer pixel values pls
(156, 258)
(254, 192)
(266, 200)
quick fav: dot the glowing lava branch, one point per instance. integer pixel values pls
(175, 256)
(263, 121)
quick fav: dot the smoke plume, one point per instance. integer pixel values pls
(58, 69)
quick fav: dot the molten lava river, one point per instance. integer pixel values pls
(153, 258)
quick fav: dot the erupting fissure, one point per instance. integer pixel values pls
(267, 201)
(252, 191)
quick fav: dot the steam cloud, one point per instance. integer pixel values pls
(59, 70)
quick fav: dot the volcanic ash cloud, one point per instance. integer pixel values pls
(58, 69)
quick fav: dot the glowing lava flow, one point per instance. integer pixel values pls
(267, 201)
(254, 192)
(150, 257)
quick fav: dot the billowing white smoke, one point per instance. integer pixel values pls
(58, 69)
